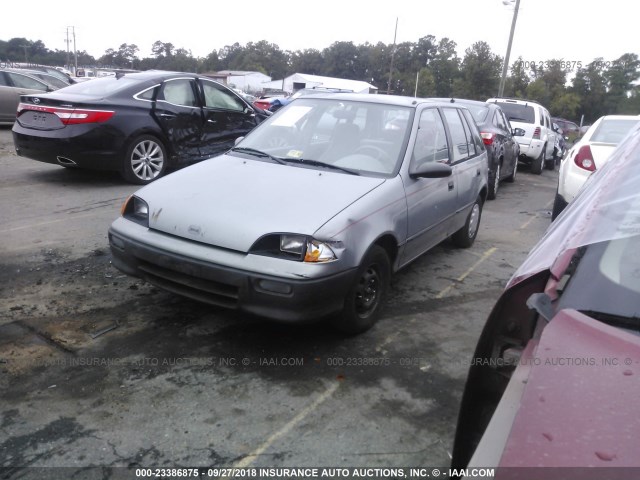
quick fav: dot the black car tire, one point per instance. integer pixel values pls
(465, 237)
(494, 183)
(550, 164)
(512, 178)
(559, 204)
(145, 161)
(363, 302)
(536, 165)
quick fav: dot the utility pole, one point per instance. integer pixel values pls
(505, 67)
(393, 54)
(67, 41)
(75, 52)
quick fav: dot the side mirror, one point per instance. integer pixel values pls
(237, 141)
(431, 170)
(518, 132)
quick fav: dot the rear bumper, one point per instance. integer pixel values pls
(279, 298)
(530, 151)
(94, 147)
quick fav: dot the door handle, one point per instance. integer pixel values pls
(450, 185)
(166, 115)
(212, 121)
(477, 172)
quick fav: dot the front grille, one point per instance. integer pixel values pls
(201, 289)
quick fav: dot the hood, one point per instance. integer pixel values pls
(578, 408)
(230, 201)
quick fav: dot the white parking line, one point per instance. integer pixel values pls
(33, 225)
(250, 458)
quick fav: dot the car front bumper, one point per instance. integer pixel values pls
(286, 298)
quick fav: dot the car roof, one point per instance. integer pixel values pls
(398, 100)
(520, 101)
(461, 101)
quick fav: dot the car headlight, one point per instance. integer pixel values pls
(294, 247)
(136, 210)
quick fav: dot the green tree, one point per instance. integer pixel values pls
(481, 69)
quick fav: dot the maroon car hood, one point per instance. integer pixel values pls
(580, 404)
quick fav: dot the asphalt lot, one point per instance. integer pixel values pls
(97, 369)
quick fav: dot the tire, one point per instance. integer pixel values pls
(551, 164)
(465, 237)
(512, 178)
(494, 183)
(559, 204)
(363, 302)
(536, 165)
(145, 161)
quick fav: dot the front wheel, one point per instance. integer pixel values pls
(467, 234)
(363, 302)
(145, 161)
(559, 204)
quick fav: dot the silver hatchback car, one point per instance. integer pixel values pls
(308, 216)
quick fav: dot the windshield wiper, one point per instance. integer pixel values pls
(318, 163)
(628, 323)
(257, 153)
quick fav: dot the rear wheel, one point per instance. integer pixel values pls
(145, 161)
(512, 178)
(536, 165)
(362, 304)
(467, 234)
(559, 204)
(550, 164)
(494, 183)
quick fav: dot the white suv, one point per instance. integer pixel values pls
(537, 146)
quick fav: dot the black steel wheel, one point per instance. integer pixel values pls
(363, 302)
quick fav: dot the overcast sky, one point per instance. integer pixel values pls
(573, 30)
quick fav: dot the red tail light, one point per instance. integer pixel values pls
(584, 159)
(536, 133)
(71, 116)
(487, 138)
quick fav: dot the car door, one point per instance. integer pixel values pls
(431, 202)
(12, 85)
(179, 114)
(468, 160)
(226, 117)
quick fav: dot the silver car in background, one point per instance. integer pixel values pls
(308, 216)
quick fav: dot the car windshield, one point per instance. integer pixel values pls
(518, 113)
(357, 136)
(605, 284)
(613, 130)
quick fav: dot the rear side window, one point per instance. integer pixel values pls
(518, 113)
(475, 132)
(462, 141)
(178, 92)
(613, 131)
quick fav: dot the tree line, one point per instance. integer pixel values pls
(430, 67)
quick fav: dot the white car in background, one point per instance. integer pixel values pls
(537, 145)
(591, 152)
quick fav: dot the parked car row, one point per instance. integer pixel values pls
(13, 84)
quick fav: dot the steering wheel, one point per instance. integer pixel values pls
(373, 151)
